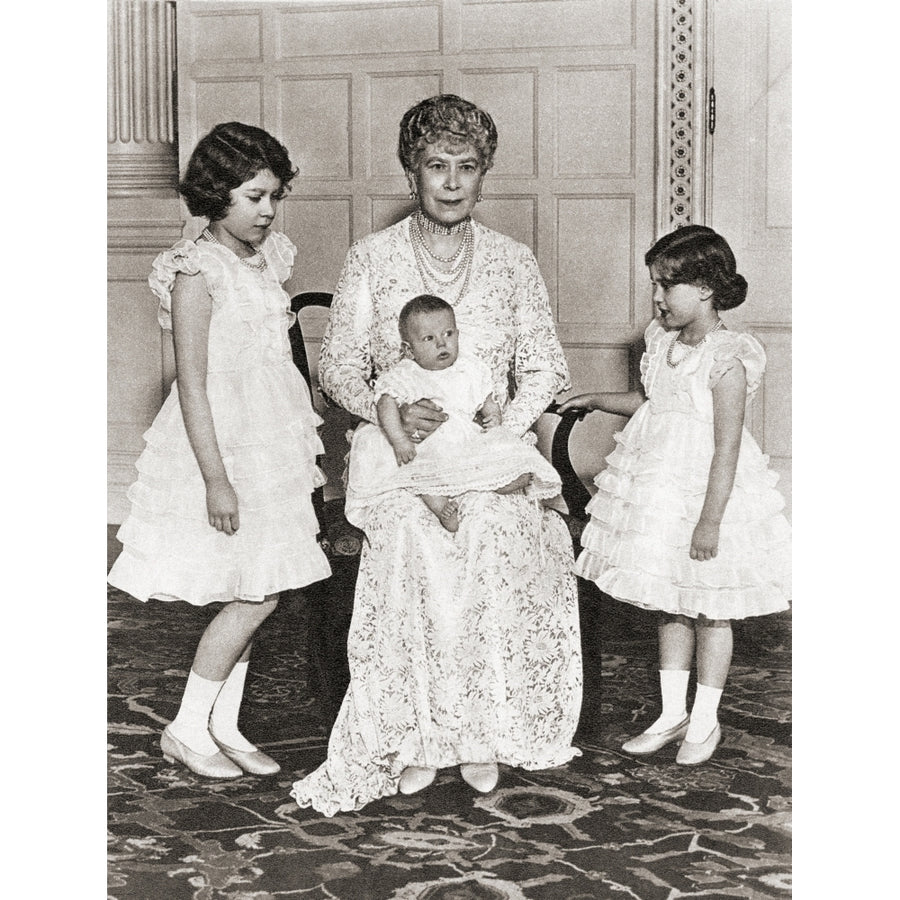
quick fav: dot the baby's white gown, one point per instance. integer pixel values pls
(458, 457)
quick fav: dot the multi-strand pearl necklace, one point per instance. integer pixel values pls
(257, 266)
(438, 280)
(429, 224)
(690, 348)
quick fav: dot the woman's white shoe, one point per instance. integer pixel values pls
(481, 776)
(415, 778)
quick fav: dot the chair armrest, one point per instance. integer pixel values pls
(574, 492)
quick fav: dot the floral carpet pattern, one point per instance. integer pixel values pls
(605, 825)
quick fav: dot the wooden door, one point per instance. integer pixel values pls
(749, 193)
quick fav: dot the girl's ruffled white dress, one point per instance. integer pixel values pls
(649, 497)
(459, 456)
(266, 430)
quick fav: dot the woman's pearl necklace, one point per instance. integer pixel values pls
(436, 280)
(257, 266)
(690, 349)
(428, 224)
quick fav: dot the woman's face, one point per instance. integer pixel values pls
(448, 181)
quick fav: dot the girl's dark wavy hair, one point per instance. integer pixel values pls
(698, 255)
(223, 160)
(422, 303)
(448, 119)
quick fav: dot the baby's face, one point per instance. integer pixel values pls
(433, 339)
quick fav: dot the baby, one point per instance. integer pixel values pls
(460, 455)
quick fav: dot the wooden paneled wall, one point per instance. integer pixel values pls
(570, 84)
(594, 102)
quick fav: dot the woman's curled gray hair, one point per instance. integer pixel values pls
(446, 119)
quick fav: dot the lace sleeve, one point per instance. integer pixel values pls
(345, 362)
(541, 371)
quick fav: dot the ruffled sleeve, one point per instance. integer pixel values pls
(183, 258)
(743, 347)
(281, 254)
(653, 334)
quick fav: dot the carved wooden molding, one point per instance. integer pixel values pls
(142, 155)
(682, 113)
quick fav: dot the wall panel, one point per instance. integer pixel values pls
(359, 29)
(490, 25)
(592, 233)
(217, 100)
(595, 128)
(315, 124)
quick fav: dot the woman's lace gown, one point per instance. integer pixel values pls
(464, 647)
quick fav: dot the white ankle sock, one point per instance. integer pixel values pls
(673, 686)
(224, 719)
(703, 713)
(191, 725)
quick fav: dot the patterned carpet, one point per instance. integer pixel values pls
(603, 826)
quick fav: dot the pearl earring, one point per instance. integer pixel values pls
(413, 195)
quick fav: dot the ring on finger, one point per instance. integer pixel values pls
(415, 435)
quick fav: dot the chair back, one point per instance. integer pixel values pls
(298, 347)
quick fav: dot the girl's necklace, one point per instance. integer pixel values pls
(257, 266)
(690, 349)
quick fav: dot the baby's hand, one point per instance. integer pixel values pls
(705, 541)
(405, 451)
(491, 419)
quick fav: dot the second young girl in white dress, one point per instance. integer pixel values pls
(686, 519)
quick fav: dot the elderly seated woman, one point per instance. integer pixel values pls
(464, 648)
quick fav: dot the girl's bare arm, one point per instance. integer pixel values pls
(617, 403)
(729, 398)
(191, 313)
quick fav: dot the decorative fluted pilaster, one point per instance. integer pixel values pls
(142, 154)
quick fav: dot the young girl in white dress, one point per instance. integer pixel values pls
(461, 455)
(222, 509)
(686, 519)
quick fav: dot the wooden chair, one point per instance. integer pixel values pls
(330, 602)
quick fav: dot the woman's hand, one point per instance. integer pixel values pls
(421, 418)
(705, 541)
(222, 506)
(587, 402)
